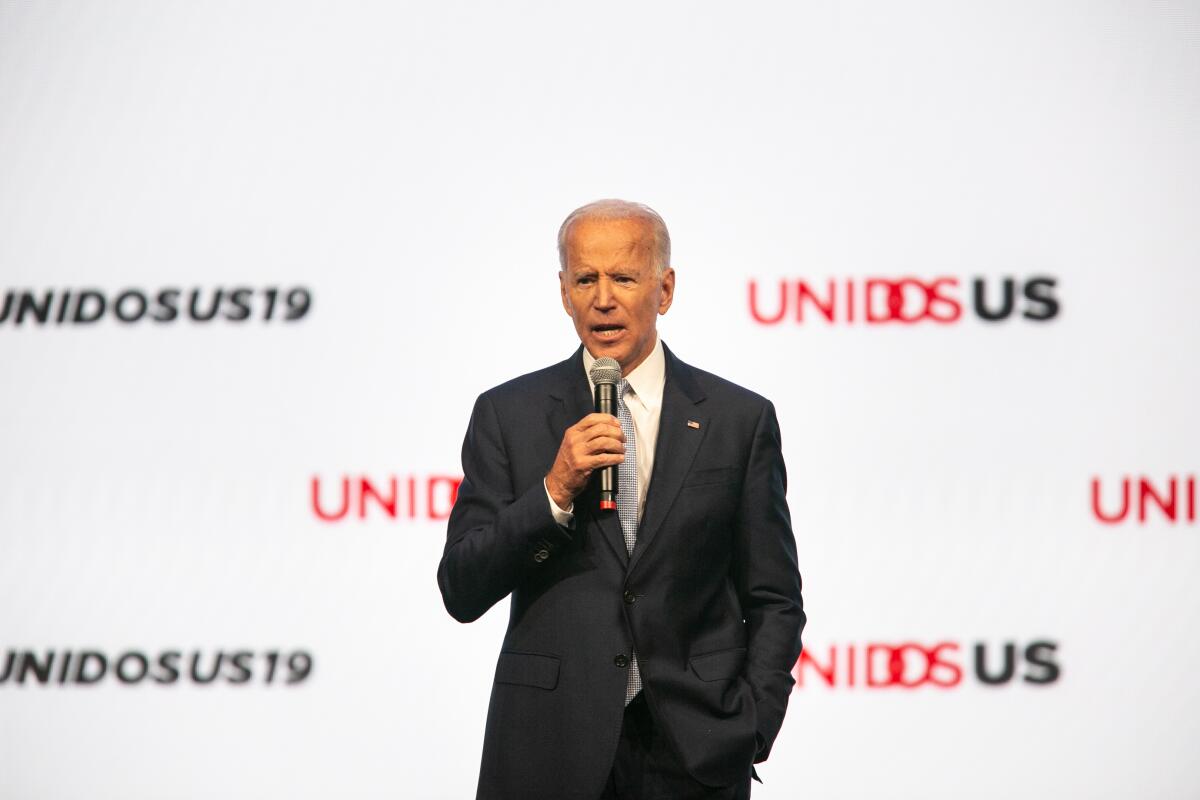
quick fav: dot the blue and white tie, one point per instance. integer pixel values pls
(627, 511)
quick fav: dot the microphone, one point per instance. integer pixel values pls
(606, 374)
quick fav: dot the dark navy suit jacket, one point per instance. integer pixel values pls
(710, 598)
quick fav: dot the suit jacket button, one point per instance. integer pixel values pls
(629, 597)
(541, 555)
(621, 661)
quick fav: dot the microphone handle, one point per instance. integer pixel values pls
(606, 403)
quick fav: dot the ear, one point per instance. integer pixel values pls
(666, 290)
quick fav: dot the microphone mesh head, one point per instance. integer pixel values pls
(605, 370)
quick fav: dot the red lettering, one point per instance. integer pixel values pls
(828, 674)
(873, 679)
(1167, 506)
(870, 296)
(908, 665)
(367, 489)
(754, 312)
(1099, 512)
(935, 297)
(907, 300)
(952, 673)
(440, 494)
(316, 500)
(826, 308)
(431, 508)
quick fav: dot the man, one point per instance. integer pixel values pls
(649, 649)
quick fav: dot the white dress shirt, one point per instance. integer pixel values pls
(644, 400)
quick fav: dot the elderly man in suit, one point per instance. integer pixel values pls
(649, 648)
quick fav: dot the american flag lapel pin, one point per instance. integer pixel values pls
(693, 424)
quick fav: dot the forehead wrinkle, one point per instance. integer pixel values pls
(639, 248)
(631, 257)
(635, 254)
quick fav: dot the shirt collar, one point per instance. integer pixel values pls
(647, 379)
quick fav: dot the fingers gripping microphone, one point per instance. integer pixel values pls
(606, 375)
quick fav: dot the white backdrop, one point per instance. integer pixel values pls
(404, 167)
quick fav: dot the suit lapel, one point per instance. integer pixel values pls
(570, 389)
(674, 451)
(574, 401)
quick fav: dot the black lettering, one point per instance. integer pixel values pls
(299, 666)
(167, 308)
(272, 660)
(8, 665)
(1010, 665)
(271, 294)
(131, 305)
(1046, 302)
(41, 670)
(169, 661)
(98, 301)
(1041, 654)
(29, 304)
(143, 668)
(64, 667)
(196, 668)
(212, 308)
(239, 662)
(981, 308)
(240, 300)
(119, 305)
(298, 302)
(86, 657)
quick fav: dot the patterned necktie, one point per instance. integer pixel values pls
(627, 511)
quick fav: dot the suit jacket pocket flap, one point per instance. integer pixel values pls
(722, 665)
(527, 669)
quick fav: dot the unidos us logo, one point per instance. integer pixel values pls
(912, 665)
(904, 300)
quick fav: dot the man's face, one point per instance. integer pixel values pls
(611, 289)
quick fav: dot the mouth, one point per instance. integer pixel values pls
(607, 332)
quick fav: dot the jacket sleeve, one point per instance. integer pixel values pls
(494, 537)
(768, 581)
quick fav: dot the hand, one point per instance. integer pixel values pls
(595, 441)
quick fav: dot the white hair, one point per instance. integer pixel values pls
(619, 209)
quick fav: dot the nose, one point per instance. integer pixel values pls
(603, 300)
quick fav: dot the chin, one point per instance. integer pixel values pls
(611, 349)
